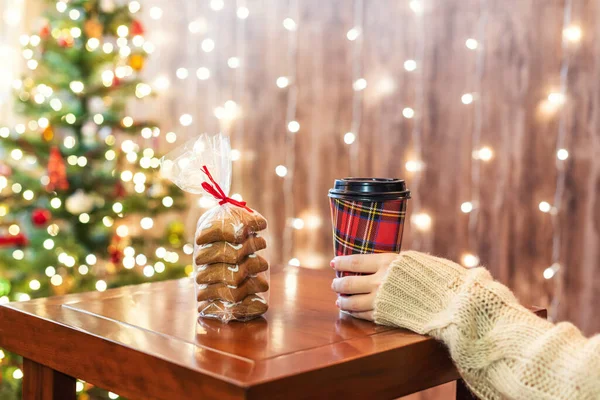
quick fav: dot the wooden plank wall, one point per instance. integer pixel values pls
(522, 63)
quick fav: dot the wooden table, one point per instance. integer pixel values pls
(144, 342)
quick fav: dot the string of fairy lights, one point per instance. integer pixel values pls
(479, 154)
(420, 220)
(571, 35)
(355, 35)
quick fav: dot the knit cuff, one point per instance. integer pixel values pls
(417, 287)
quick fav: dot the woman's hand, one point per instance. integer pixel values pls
(363, 287)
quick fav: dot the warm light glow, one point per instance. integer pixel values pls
(159, 267)
(556, 98)
(16, 154)
(290, 24)
(282, 82)
(297, 223)
(545, 207)
(34, 284)
(422, 221)
(122, 230)
(91, 259)
(122, 31)
(17, 374)
(156, 12)
(410, 65)
(28, 195)
(127, 122)
(147, 223)
(416, 6)
(572, 33)
(217, 4)
(349, 138)
(74, 14)
(281, 170)
(101, 286)
(359, 84)
(408, 112)
(84, 218)
(242, 12)
(467, 98)
(484, 154)
(471, 43)
(353, 34)
(235, 154)
(470, 260)
(185, 120)
(233, 62)
(562, 154)
(50, 271)
(167, 201)
(56, 280)
(294, 262)
(293, 126)
(414, 165)
(148, 271)
(181, 73)
(134, 7)
(48, 244)
(208, 45)
(76, 86)
(142, 90)
(203, 73)
(466, 207)
(55, 202)
(83, 269)
(141, 259)
(14, 229)
(551, 271)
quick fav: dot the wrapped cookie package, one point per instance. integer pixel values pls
(230, 274)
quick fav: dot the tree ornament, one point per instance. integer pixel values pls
(65, 41)
(18, 240)
(4, 287)
(45, 31)
(136, 61)
(79, 202)
(136, 28)
(120, 191)
(57, 171)
(93, 28)
(5, 169)
(175, 232)
(115, 250)
(40, 217)
(116, 81)
(48, 133)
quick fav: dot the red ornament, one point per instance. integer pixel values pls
(116, 81)
(18, 240)
(114, 250)
(57, 171)
(136, 28)
(120, 190)
(65, 41)
(45, 31)
(5, 169)
(40, 216)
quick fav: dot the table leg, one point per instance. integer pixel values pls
(463, 392)
(44, 383)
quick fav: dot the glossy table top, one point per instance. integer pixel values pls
(302, 340)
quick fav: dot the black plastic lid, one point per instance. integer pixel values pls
(369, 189)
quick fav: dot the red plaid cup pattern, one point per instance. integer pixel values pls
(362, 227)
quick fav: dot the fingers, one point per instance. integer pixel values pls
(362, 263)
(356, 303)
(367, 315)
(353, 284)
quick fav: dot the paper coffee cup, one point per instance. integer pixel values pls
(367, 215)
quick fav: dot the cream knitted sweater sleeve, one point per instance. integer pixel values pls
(502, 350)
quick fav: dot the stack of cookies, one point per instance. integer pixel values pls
(228, 270)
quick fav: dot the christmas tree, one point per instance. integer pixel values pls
(79, 183)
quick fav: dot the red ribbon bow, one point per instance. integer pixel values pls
(218, 193)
